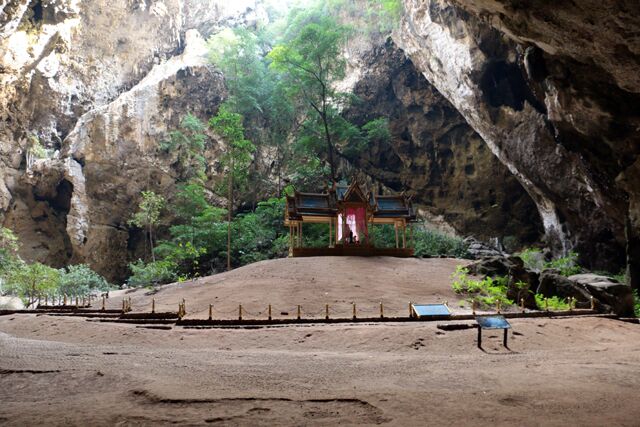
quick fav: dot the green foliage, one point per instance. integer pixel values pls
(487, 291)
(432, 243)
(148, 215)
(533, 259)
(152, 273)
(636, 302)
(80, 280)
(188, 144)
(554, 303)
(29, 281)
(567, 265)
(426, 242)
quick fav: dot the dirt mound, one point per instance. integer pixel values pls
(310, 282)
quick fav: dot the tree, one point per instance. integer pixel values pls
(30, 281)
(311, 57)
(80, 279)
(236, 159)
(148, 215)
(188, 143)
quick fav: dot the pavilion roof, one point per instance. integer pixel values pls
(328, 204)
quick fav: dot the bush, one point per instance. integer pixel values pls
(81, 280)
(426, 242)
(30, 281)
(554, 303)
(152, 274)
(533, 259)
(487, 291)
(567, 265)
(636, 303)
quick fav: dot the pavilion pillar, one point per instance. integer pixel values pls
(300, 234)
(404, 235)
(395, 225)
(330, 232)
(290, 240)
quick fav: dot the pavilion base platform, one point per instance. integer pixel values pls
(353, 250)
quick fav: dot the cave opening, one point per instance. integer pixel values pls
(503, 84)
(61, 202)
(38, 12)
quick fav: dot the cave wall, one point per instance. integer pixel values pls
(435, 155)
(99, 83)
(551, 90)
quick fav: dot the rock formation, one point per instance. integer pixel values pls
(99, 84)
(435, 155)
(553, 91)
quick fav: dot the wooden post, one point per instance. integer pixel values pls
(269, 311)
(404, 236)
(395, 226)
(473, 306)
(65, 299)
(326, 311)
(299, 311)
(240, 312)
(498, 306)
(103, 302)
(124, 306)
(210, 311)
(479, 337)
(410, 311)
(381, 310)
(153, 306)
(546, 304)
(354, 310)
(129, 308)
(522, 304)
(593, 304)
(76, 300)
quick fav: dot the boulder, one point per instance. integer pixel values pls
(11, 303)
(521, 282)
(554, 284)
(608, 291)
(478, 249)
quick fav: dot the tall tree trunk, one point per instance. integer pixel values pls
(153, 256)
(329, 147)
(230, 208)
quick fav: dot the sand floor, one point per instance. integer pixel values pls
(565, 371)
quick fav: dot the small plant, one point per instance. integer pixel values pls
(487, 291)
(554, 303)
(81, 280)
(636, 303)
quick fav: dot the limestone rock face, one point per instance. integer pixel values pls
(435, 155)
(99, 83)
(553, 91)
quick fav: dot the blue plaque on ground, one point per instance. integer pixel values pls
(492, 322)
(430, 310)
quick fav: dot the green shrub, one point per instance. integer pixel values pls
(554, 303)
(487, 291)
(426, 242)
(567, 265)
(533, 259)
(636, 303)
(151, 274)
(81, 280)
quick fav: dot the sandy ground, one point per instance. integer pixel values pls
(310, 282)
(70, 371)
